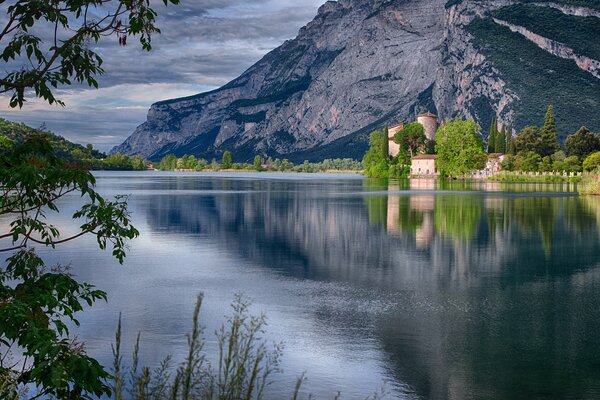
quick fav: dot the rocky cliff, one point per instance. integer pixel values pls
(361, 64)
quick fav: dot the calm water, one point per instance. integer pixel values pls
(466, 291)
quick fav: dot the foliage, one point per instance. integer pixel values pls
(189, 162)
(375, 162)
(386, 141)
(500, 146)
(17, 133)
(257, 162)
(86, 156)
(493, 136)
(571, 164)
(244, 370)
(507, 176)
(459, 147)
(582, 143)
(227, 160)
(529, 140)
(577, 33)
(122, 162)
(399, 171)
(538, 78)
(592, 162)
(412, 138)
(548, 136)
(168, 163)
(590, 183)
(69, 56)
(37, 302)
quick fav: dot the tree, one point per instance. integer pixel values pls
(67, 56)
(501, 141)
(37, 302)
(548, 136)
(386, 142)
(138, 163)
(572, 164)
(412, 138)
(528, 140)
(374, 163)
(118, 161)
(492, 136)
(257, 162)
(168, 163)
(510, 141)
(227, 159)
(459, 147)
(592, 162)
(582, 143)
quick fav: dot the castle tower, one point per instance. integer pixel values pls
(394, 148)
(430, 123)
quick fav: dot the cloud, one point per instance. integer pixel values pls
(203, 45)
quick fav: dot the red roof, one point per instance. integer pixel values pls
(425, 157)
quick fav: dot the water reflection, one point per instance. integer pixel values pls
(477, 290)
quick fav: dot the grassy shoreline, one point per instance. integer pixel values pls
(590, 184)
(506, 176)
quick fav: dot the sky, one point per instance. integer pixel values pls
(204, 44)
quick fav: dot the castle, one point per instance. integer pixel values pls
(430, 123)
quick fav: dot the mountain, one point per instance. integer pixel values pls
(361, 64)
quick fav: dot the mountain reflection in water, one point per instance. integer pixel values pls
(466, 290)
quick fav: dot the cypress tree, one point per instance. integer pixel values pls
(386, 144)
(492, 137)
(548, 134)
(501, 141)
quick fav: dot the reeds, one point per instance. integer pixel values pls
(590, 184)
(244, 370)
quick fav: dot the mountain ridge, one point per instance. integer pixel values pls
(361, 64)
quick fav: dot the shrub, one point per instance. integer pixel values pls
(592, 162)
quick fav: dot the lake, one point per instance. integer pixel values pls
(430, 290)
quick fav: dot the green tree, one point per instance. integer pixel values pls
(510, 141)
(5, 142)
(529, 161)
(168, 163)
(501, 141)
(70, 54)
(386, 142)
(37, 302)
(227, 159)
(548, 135)
(118, 161)
(528, 140)
(592, 162)
(572, 164)
(508, 163)
(492, 136)
(374, 163)
(459, 148)
(582, 143)
(412, 138)
(257, 164)
(138, 163)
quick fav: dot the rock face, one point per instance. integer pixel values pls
(361, 64)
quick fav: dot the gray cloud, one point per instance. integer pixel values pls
(203, 45)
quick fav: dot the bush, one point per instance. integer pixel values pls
(592, 162)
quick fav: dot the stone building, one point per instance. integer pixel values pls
(430, 123)
(423, 165)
